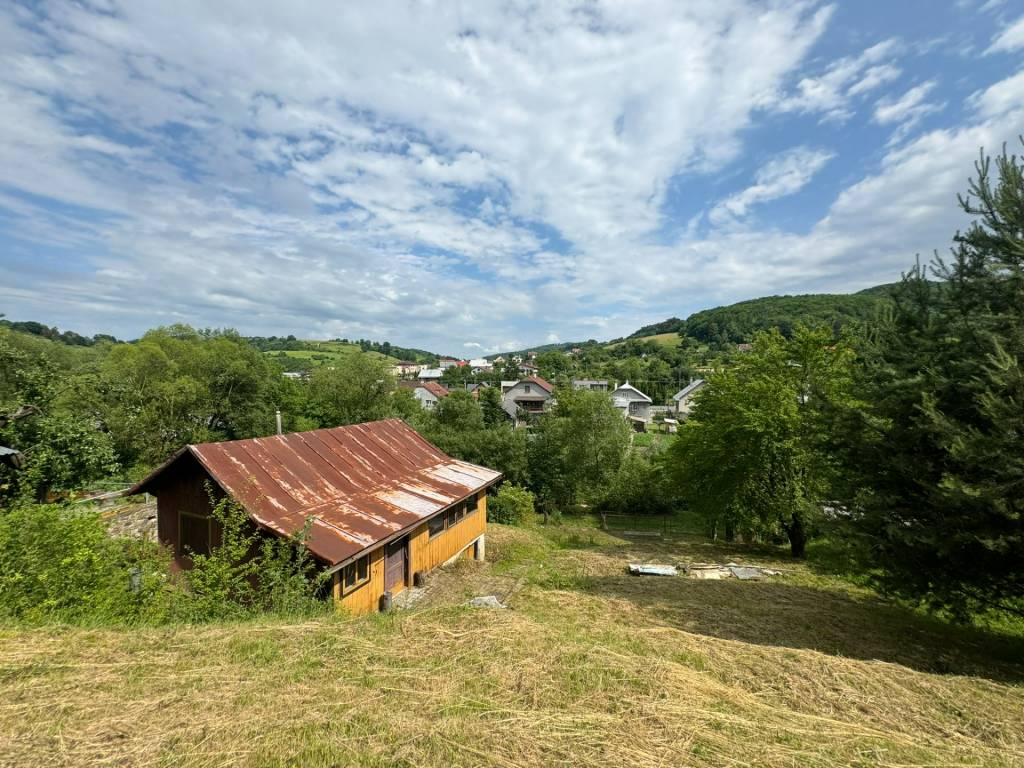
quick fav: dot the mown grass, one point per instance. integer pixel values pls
(325, 352)
(589, 667)
(662, 339)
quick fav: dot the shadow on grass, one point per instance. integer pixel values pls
(774, 613)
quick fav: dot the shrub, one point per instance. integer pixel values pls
(511, 505)
(59, 563)
(250, 573)
(637, 488)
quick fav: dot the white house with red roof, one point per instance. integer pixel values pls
(527, 399)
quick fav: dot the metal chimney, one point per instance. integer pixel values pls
(277, 416)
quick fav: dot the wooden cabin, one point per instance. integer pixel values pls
(381, 503)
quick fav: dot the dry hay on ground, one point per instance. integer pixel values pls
(590, 667)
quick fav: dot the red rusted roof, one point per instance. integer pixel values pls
(436, 388)
(359, 485)
(540, 382)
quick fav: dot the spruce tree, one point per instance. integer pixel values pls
(939, 448)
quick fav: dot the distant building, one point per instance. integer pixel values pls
(429, 393)
(507, 385)
(448, 362)
(406, 368)
(683, 399)
(480, 365)
(429, 374)
(593, 385)
(528, 369)
(633, 403)
(527, 398)
(744, 347)
(296, 374)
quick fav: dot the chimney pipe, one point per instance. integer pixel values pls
(277, 416)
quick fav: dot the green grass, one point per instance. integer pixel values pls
(589, 667)
(327, 352)
(662, 339)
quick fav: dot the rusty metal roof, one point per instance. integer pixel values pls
(359, 485)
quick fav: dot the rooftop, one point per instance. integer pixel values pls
(358, 486)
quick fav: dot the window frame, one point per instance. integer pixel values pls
(347, 589)
(452, 516)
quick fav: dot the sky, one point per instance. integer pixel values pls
(472, 177)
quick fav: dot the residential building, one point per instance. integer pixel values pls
(428, 393)
(406, 368)
(429, 374)
(593, 385)
(528, 369)
(682, 400)
(448, 362)
(377, 503)
(633, 403)
(480, 365)
(527, 398)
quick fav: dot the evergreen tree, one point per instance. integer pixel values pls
(939, 450)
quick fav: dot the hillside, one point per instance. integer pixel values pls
(590, 667)
(735, 323)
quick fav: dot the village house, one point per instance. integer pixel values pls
(633, 403)
(683, 399)
(480, 365)
(379, 504)
(593, 385)
(429, 393)
(406, 368)
(528, 369)
(449, 362)
(429, 374)
(527, 398)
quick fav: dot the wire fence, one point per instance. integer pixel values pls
(651, 525)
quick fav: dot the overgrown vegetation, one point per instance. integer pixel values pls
(59, 564)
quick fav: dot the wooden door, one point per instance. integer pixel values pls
(395, 555)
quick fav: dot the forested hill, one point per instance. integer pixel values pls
(736, 323)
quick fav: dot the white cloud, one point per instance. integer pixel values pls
(907, 110)
(783, 175)
(1010, 39)
(427, 174)
(831, 92)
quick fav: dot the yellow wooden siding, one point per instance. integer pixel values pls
(366, 598)
(429, 553)
(425, 554)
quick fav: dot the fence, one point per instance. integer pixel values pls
(650, 525)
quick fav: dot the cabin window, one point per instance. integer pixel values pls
(435, 525)
(451, 517)
(526, 387)
(355, 574)
(193, 534)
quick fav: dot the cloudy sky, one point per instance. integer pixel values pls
(473, 176)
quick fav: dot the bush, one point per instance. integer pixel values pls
(637, 488)
(250, 573)
(511, 505)
(59, 563)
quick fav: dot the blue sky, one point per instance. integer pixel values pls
(474, 177)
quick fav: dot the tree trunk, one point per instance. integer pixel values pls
(797, 536)
(730, 531)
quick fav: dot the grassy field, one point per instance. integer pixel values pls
(662, 339)
(327, 352)
(589, 667)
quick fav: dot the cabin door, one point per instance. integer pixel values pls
(395, 561)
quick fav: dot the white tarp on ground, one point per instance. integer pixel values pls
(650, 569)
